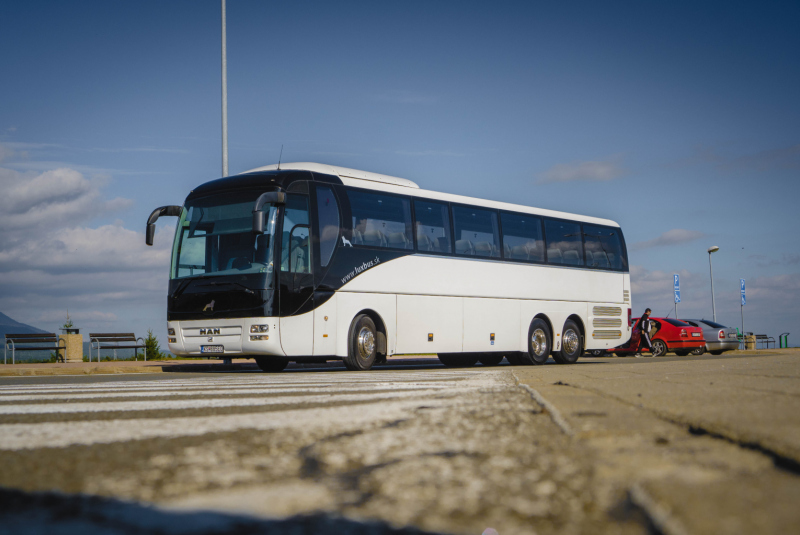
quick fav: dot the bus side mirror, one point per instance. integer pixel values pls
(173, 210)
(271, 197)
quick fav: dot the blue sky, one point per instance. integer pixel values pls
(681, 121)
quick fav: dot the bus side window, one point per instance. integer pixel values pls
(380, 220)
(328, 216)
(522, 237)
(432, 227)
(476, 231)
(295, 249)
(603, 247)
(564, 242)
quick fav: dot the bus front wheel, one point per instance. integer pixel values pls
(571, 345)
(362, 344)
(271, 364)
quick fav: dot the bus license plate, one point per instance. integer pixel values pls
(212, 349)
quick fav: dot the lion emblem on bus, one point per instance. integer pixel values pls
(209, 307)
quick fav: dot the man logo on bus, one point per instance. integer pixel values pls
(209, 307)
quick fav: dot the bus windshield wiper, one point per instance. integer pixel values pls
(222, 283)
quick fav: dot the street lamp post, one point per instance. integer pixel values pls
(713, 249)
(224, 97)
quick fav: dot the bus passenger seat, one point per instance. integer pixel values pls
(375, 238)
(554, 255)
(357, 238)
(589, 258)
(600, 259)
(483, 248)
(398, 240)
(520, 252)
(423, 242)
(507, 250)
(464, 247)
(442, 245)
(572, 257)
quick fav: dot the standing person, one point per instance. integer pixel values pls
(644, 334)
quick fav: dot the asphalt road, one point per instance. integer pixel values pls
(670, 445)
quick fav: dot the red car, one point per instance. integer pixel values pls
(670, 335)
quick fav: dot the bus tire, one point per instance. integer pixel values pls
(271, 364)
(362, 348)
(539, 343)
(490, 359)
(458, 360)
(571, 345)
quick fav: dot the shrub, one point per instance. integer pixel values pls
(152, 347)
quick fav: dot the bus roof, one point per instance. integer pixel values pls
(353, 177)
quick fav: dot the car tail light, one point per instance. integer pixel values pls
(683, 333)
(721, 335)
(629, 318)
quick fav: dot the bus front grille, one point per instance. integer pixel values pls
(606, 335)
(607, 311)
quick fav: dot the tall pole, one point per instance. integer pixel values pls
(713, 306)
(224, 98)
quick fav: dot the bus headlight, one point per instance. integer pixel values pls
(173, 340)
(171, 331)
(258, 337)
(259, 329)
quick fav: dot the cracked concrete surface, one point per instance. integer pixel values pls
(546, 449)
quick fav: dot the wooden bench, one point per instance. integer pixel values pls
(43, 338)
(763, 339)
(115, 341)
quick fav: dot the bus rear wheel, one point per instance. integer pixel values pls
(490, 359)
(362, 346)
(539, 343)
(571, 345)
(271, 364)
(458, 360)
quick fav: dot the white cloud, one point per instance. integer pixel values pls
(670, 237)
(600, 170)
(81, 249)
(5, 152)
(52, 199)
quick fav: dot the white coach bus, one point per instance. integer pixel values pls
(311, 262)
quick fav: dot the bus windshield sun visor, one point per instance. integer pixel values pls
(270, 197)
(174, 211)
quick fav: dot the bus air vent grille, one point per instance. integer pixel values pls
(607, 311)
(626, 296)
(606, 335)
(607, 322)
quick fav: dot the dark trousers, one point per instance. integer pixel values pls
(644, 342)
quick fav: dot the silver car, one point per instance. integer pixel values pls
(718, 337)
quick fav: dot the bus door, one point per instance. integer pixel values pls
(296, 298)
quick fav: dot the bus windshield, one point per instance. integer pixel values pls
(215, 237)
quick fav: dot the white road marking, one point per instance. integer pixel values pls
(377, 395)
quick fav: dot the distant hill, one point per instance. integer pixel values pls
(9, 326)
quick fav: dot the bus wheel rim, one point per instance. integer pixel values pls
(570, 341)
(539, 342)
(366, 342)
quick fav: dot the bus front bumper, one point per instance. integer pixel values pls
(228, 338)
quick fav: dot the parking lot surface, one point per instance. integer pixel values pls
(673, 445)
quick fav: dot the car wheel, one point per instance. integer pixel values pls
(716, 352)
(271, 364)
(539, 343)
(361, 347)
(659, 348)
(699, 351)
(458, 360)
(490, 359)
(571, 345)
(681, 353)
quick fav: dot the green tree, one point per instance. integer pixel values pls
(68, 324)
(152, 347)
